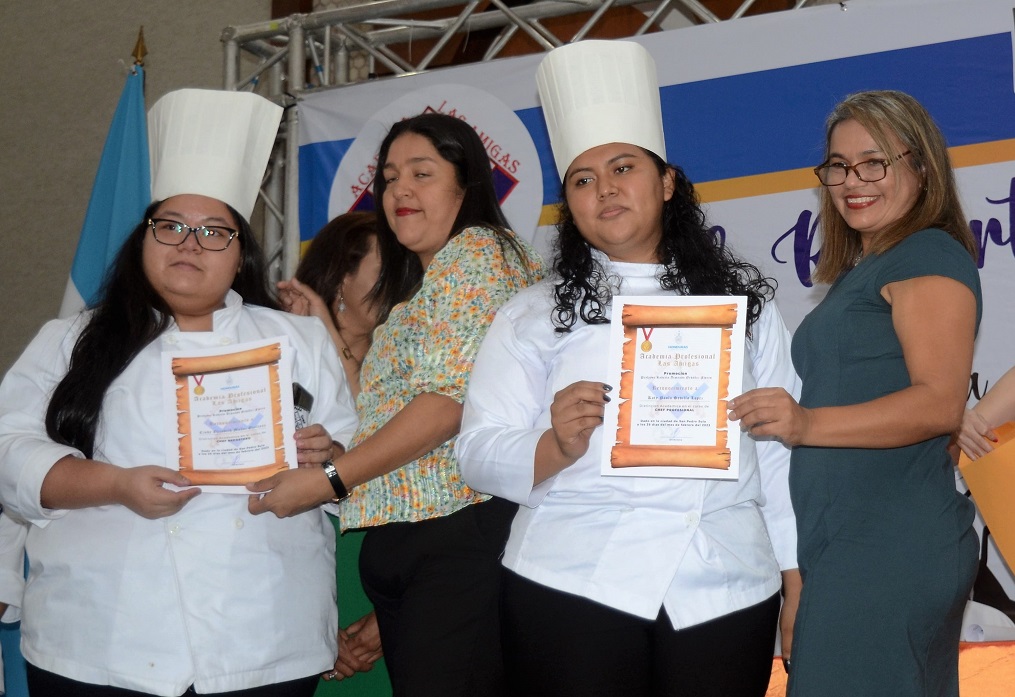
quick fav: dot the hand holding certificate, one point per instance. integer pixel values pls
(676, 360)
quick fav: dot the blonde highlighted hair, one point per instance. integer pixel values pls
(892, 118)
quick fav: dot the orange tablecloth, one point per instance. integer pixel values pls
(985, 670)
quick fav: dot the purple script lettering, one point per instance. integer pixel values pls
(994, 231)
(802, 234)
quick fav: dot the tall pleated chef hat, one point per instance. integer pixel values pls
(213, 143)
(599, 92)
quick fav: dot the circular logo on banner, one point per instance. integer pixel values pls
(514, 161)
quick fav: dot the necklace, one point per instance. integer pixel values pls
(347, 353)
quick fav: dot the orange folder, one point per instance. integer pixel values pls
(991, 479)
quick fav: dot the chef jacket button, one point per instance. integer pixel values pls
(174, 529)
(225, 341)
(691, 519)
(238, 523)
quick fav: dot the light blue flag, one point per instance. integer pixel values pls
(120, 194)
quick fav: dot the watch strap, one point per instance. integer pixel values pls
(337, 485)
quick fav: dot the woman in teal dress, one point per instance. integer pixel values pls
(886, 546)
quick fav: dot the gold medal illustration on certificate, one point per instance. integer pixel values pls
(646, 345)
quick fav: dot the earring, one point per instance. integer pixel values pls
(341, 303)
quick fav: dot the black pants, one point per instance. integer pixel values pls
(557, 644)
(435, 585)
(42, 683)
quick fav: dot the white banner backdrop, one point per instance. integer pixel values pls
(744, 104)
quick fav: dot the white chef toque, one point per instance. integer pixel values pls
(213, 143)
(599, 92)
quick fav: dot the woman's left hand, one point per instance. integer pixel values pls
(296, 491)
(792, 584)
(771, 411)
(314, 446)
(290, 492)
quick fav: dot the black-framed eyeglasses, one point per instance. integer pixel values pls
(174, 233)
(835, 173)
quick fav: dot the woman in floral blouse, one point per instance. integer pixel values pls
(431, 559)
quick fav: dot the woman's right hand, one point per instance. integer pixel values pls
(359, 647)
(975, 436)
(291, 301)
(74, 483)
(576, 411)
(141, 490)
(792, 585)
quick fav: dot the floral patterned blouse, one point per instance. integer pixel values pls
(428, 344)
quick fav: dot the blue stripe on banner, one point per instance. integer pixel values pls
(533, 120)
(773, 120)
(318, 163)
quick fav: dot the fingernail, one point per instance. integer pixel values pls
(607, 388)
(606, 397)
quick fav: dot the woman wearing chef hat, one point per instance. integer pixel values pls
(135, 586)
(623, 585)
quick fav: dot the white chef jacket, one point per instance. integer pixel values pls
(211, 596)
(698, 548)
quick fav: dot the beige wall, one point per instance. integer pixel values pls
(59, 85)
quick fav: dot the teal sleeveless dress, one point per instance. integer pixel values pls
(886, 545)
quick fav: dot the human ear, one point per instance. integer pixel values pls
(669, 183)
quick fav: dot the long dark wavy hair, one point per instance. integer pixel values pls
(128, 316)
(694, 261)
(458, 143)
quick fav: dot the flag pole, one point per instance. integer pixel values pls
(140, 50)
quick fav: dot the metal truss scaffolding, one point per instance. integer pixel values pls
(305, 52)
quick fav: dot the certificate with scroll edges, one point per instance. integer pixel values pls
(675, 362)
(230, 417)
